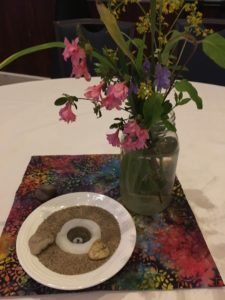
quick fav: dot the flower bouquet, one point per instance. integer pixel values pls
(143, 77)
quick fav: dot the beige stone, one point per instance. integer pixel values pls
(99, 250)
(38, 242)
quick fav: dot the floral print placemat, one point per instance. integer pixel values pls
(170, 252)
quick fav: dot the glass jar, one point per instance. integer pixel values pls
(147, 175)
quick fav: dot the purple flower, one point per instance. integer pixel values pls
(162, 80)
(132, 89)
(146, 65)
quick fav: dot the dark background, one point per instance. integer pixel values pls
(24, 23)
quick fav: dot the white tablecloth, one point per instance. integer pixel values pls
(29, 125)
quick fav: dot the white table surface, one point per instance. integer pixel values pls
(29, 125)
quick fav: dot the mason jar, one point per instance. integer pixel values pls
(147, 176)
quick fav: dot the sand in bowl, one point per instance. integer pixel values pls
(71, 264)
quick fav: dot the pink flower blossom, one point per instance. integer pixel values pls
(118, 90)
(93, 92)
(113, 138)
(80, 68)
(66, 113)
(135, 136)
(110, 102)
(78, 58)
(70, 48)
(115, 95)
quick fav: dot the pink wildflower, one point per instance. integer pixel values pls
(135, 136)
(110, 102)
(118, 90)
(113, 138)
(93, 92)
(115, 95)
(78, 58)
(70, 48)
(66, 113)
(80, 68)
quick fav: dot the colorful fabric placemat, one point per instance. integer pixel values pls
(170, 252)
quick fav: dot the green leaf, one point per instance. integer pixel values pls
(214, 48)
(172, 42)
(114, 125)
(61, 101)
(180, 96)
(111, 24)
(70, 98)
(185, 86)
(140, 45)
(184, 101)
(152, 109)
(97, 110)
(103, 60)
(176, 98)
(30, 50)
(74, 98)
(167, 107)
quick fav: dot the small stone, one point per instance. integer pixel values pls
(99, 250)
(39, 242)
(45, 192)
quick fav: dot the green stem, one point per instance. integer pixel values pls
(182, 67)
(91, 100)
(141, 8)
(103, 59)
(181, 52)
(29, 50)
(160, 29)
(160, 198)
(152, 19)
(179, 58)
(175, 21)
